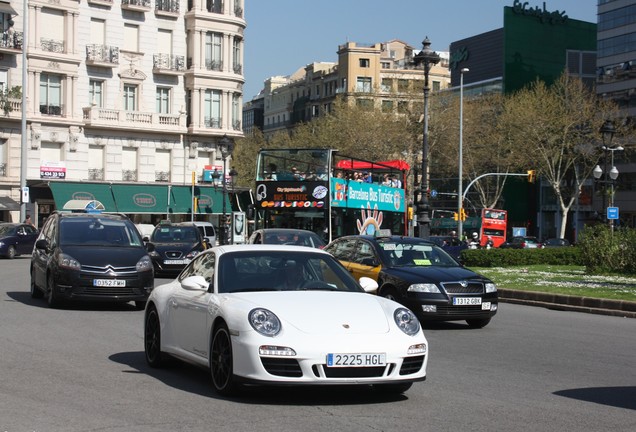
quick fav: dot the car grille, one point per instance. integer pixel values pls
(173, 254)
(411, 365)
(111, 291)
(458, 288)
(354, 372)
(282, 367)
(461, 310)
(109, 270)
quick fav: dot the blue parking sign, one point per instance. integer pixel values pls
(612, 212)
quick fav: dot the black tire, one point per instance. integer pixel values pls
(140, 305)
(221, 362)
(36, 292)
(52, 297)
(390, 293)
(392, 389)
(152, 338)
(11, 252)
(478, 323)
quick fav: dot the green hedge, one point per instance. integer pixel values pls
(517, 257)
(604, 250)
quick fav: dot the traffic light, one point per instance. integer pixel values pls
(455, 216)
(531, 176)
(462, 213)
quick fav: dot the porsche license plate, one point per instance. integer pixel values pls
(466, 301)
(176, 262)
(109, 283)
(356, 360)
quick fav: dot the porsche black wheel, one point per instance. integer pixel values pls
(221, 362)
(152, 338)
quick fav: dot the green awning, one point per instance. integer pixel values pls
(209, 200)
(67, 191)
(146, 198)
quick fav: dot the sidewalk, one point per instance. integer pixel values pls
(620, 308)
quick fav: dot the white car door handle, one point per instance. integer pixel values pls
(174, 303)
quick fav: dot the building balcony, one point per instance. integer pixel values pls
(168, 64)
(11, 43)
(169, 8)
(101, 2)
(128, 120)
(129, 175)
(215, 65)
(51, 45)
(162, 176)
(102, 55)
(96, 174)
(136, 5)
(212, 122)
(52, 110)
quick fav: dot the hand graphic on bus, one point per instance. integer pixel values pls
(370, 221)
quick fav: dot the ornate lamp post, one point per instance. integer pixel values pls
(460, 204)
(428, 58)
(607, 132)
(226, 146)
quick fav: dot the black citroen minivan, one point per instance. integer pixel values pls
(92, 257)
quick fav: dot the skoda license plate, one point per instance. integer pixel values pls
(356, 360)
(109, 283)
(466, 301)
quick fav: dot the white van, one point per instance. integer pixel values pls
(208, 231)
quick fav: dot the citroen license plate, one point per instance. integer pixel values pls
(109, 283)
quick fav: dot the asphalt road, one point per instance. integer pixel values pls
(83, 369)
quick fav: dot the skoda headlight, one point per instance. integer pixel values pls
(424, 288)
(264, 322)
(406, 321)
(491, 287)
(144, 264)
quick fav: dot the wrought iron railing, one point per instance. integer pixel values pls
(11, 40)
(216, 65)
(142, 3)
(129, 175)
(169, 61)
(168, 5)
(96, 173)
(238, 68)
(102, 53)
(214, 123)
(162, 176)
(3, 169)
(51, 45)
(51, 109)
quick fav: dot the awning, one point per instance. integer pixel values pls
(6, 8)
(9, 204)
(138, 198)
(67, 191)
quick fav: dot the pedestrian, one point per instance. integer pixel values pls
(28, 221)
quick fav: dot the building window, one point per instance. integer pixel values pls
(131, 37)
(236, 112)
(51, 152)
(403, 85)
(3, 158)
(387, 85)
(385, 65)
(363, 84)
(50, 94)
(236, 55)
(364, 63)
(163, 100)
(129, 163)
(403, 107)
(214, 51)
(52, 34)
(95, 162)
(95, 92)
(130, 97)
(437, 85)
(387, 106)
(212, 109)
(162, 165)
(215, 6)
(366, 104)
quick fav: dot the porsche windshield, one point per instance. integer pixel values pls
(282, 271)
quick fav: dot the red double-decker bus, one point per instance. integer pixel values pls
(494, 223)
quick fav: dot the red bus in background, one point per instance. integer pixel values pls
(493, 224)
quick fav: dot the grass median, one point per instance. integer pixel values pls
(567, 280)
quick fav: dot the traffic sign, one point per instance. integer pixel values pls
(612, 212)
(433, 193)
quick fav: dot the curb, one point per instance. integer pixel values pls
(591, 305)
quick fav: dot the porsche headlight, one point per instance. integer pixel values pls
(406, 321)
(424, 288)
(264, 322)
(491, 287)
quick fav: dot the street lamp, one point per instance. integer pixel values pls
(428, 58)
(607, 133)
(460, 204)
(226, 146)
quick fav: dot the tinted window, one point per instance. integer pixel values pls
(98, 232)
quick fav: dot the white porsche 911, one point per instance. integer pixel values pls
(270, 315)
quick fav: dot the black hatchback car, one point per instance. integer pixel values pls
(16, 239)
(92, 257)
(420, 275)
(174, 245)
